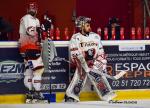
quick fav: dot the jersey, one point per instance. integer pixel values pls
(28, 33)
(26, 22)
(91, 50)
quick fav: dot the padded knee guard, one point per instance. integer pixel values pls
(28, 78)
(36, 81)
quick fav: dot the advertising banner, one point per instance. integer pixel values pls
(58, 76)
(11, 71)
(135, 60)
(131, 58)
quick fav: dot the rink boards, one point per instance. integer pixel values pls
(135, 85)
(88, 104)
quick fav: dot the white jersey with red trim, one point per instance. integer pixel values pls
(27, 22)
(28, 32)
(90, 48)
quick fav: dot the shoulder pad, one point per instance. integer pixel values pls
(95, 34)
(75, 36)
(92, 33)
(25, 16)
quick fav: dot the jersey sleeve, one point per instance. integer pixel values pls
(100, 61)
(38, 23)
(26, 21)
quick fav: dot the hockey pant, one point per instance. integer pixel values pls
(36, 67)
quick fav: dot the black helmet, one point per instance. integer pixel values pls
(113, 20)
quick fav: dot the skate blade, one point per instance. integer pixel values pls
(36, 101)
(73, 96)
(28, 101)
(70, 101)
(109, 96)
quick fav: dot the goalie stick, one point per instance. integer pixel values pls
(104, 73)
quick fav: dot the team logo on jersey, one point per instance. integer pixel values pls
(88, 44)
(89, 54)
(11, 71)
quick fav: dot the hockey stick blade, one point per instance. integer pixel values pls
(118, 76)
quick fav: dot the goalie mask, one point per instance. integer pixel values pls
(81, 21)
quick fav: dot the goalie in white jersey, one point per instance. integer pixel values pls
(88, 54)
(31, 51)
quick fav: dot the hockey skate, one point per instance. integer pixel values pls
(29, 97)
(69, 99)
(109, 96)
(39, 98)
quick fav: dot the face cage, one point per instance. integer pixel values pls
(81, 24)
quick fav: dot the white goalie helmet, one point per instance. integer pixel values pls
(81, 21)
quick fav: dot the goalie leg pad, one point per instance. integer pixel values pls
(101, 85)
(76, 86)
(48, 53)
